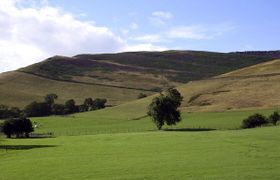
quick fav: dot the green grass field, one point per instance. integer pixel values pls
(120, 120)
(233, 154)
(121, 143)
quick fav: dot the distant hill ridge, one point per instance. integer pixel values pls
(119, 77)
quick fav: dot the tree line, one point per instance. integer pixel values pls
(49, 107)
(17, 124)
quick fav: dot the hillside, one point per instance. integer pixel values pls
(119, 77)
(263, 69)
(123, 141)
(252, 87)
(220, 103)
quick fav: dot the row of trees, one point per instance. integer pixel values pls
(7, 112)
(50, 107)
(257, 120)
(21, 127)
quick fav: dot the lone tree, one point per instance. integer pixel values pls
(21, 127)
(164, 108)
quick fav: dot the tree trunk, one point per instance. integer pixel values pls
(8, 135)
(27, 135)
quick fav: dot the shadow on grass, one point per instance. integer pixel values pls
(24, 147)
(190, 129)
(36, 137)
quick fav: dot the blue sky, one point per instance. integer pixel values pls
(32, 30)
(244, 25)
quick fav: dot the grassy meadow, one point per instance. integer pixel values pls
(233, 154)
(110, 121)
(121, 143)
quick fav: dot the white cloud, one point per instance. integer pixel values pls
(124, 32)
(248, 47)
(198, 32)
(160, 18)
(162, 14)
(188, 32)
(150, 38)
(28, 35)
(194, 32)
(145, 47)
(132, 13)
(133, 26)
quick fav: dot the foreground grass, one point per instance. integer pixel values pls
(236, 154)
(120, 119)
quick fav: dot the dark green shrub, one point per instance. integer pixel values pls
(141, 95)
(98, 103)
(255, 120)
(274, 118)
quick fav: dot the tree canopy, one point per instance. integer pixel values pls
(21, 127)
(164, 108)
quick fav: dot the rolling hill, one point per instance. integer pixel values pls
(255, 87)
(119, 77)
(221, 102)
(123, 141)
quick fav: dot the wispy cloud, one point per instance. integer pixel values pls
(162, 14)
(145, 47)
(191, 32)
(133, 26)
(198, 32)
(188, 32)
(151, 38)
(160, 18)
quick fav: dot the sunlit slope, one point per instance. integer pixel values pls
(253, 87)
(267, 68)
(19, 89)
